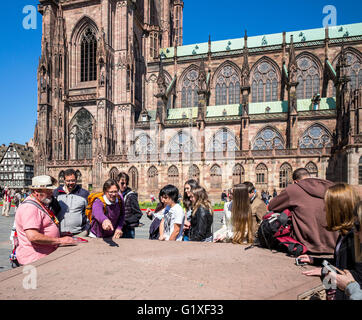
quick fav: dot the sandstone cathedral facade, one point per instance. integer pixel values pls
(118, 91)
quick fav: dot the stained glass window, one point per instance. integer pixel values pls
(312, 169)
(223, 140)
(194, 173)
(181, 142)
(267, 138)
(152, 178)
(81, 134)
(264, 83)
(113, 173)
(308, 76)
(261, 176)
(227, 86)
(88, 55)
(190, 97)
(315, 137)
(144, 145)
(133, 178)
(173, 176)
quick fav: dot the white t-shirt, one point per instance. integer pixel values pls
(175, 215)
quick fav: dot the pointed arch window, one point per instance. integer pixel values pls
(194, 173)
(190, 97)
(181, 142)
(308, 76)
(152, 178)
(223, 140)
(238, 174)
(113, 173)
(173, 176)
(61, 177)
(228, 81)
(355, 67)
(261, 171)
(267, 139)
(285, 175)
(143, 145)
(79, 177)
(88, 66)
(312, 169)
(215, 177)
(81, 135)
(315, 137)
(133, 178)
(264, 83)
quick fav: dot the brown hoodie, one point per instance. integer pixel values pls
(305, 200)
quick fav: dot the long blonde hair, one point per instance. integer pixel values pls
(340, 202)
(241, 215)
(201, 200)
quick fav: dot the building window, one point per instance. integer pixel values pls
(133, 178)
(189, 95)
(173, 176)
(308, 77)
(81, 135)
(88, 56)
(223, 140)
(181, 142)
(215, 177)
(143, 145)
(113, 174)
(227, 89)
(152, 178)
(61, 177)
(79, 177)
(312, 169)
(285, 175)
(264, 86)
(238, 174)
(315, 137)
(267, 139)
(360, 171)
(194, 173)
(261, 176)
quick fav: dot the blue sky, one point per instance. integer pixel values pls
(20, 49)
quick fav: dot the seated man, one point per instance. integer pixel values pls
(305, 200)
(73, 201)
(36, 224)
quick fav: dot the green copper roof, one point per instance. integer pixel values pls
(181, 113)
(224, 111)
(274, 107)
(325, 104)
(348, 30)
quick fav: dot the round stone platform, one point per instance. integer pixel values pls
(153, 270)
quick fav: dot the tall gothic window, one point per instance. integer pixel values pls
(61, 177)
(285, 175)
(173, 176)
(189, 95)
(312, 169)
(215, 177)
(315, 137)
(264, 85)
(79, 177)
(88, 66)
(267, 139)
(261, 171)
(133, 178)
(194, 173)
(238, 174)
(152, 178)
(355, 70)
(81, 135)
(308, 76)
(227, 90)
(223, 140)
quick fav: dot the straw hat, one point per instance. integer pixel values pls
(42, 182)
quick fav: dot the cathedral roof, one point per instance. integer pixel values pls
(276, 39)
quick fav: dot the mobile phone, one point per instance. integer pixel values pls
(298, 262)
(329, 267)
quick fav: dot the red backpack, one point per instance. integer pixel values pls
(275, 233)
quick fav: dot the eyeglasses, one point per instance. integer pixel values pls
(70, 181)
(112, 192)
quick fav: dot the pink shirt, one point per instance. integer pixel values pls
(30, 217)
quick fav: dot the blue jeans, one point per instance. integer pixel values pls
(129, 233)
